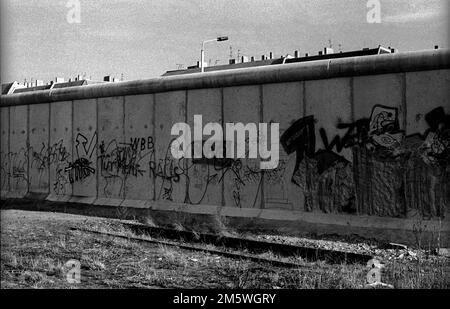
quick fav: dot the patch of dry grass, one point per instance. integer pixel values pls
(35, 249)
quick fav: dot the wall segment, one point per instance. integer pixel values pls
(362, 138)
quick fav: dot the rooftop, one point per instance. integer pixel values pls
(244, 62)
(16, 87)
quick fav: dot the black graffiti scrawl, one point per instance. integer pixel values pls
(300, 138)
(437, 137)
(381, 130)
(79, 169)
(82, 168)
(384, 127)
(380, 148)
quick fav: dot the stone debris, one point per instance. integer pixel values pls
(379, 285)
(396, 246)
(443, 252)
(412, 254)
(381, 251)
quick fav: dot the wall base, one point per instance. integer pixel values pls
(223, 220)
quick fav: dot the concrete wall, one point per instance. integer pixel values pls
(374, 145)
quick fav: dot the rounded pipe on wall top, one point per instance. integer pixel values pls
(320, 69)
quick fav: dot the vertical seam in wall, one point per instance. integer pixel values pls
(72, 140)
(124, 194)
(222, 116)
(9, 149)
(99, 168)
(404, 109)
(304, 98)
(154, 142)
(261, 120)
(1, 152)
(186, 188)
(305, 192)
(28, 147)
(352, 101)
(48, 147)
(352, 120)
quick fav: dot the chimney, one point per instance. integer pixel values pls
(436, 47)
(320, 53)
(306, 55)
(328, 50)
(296, 54)
(252, 59)
(108, 78)
(263, 57)
(232, 61)
(270, 55)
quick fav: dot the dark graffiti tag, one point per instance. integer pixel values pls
(301, 138)
(85, 147)
(120, 158)
(141, 143)
(46, 156)
(118, 161)
(19, 172)
(437, 138)
(382, 129)
(79, 170)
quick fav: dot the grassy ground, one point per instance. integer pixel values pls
(35, 247)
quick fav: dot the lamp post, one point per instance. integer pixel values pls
(202, 53)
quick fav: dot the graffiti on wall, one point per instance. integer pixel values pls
(436, 147)
(81, 168)
(15, 165)
(366, 166)
(198, 176)
(118, 161)
(18, 168)
(332, 183)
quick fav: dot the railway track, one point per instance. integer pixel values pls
(254, 246)
(228, 254)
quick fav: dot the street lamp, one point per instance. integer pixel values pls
(202, 54)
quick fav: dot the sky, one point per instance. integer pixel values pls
(142, 39)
